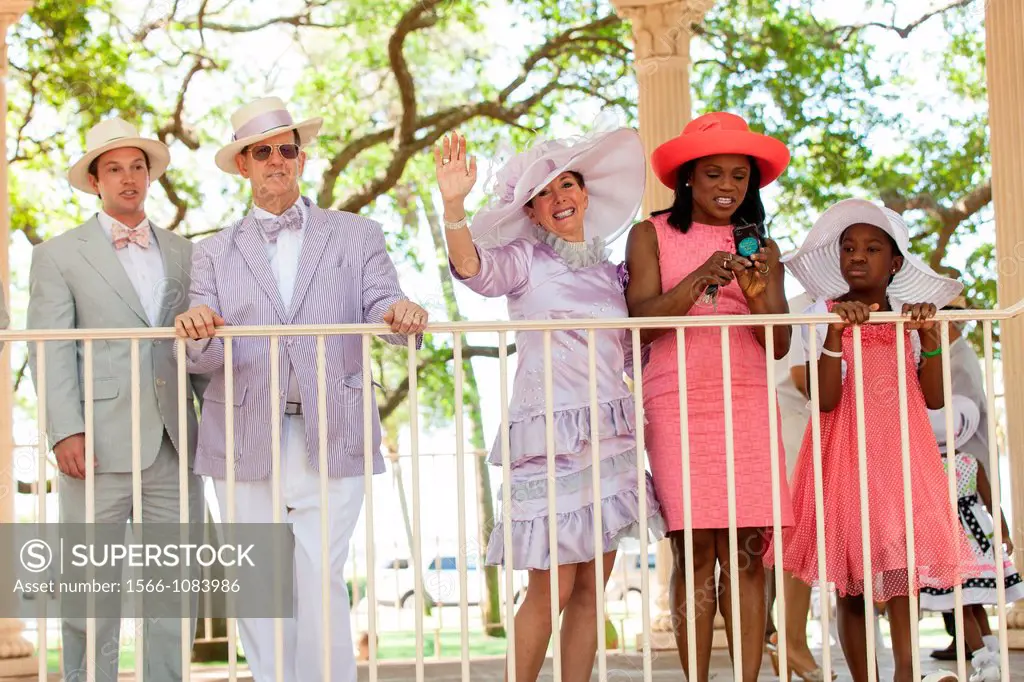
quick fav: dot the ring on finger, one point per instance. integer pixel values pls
(445, 162)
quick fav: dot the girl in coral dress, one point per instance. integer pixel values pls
(855, 261)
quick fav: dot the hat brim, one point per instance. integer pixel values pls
(157, 152)
(225, 157)
(966, 416)
(772, 155)
(614, 173)
(816, 263)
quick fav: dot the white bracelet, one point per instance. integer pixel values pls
(458, 225)
(832, 353)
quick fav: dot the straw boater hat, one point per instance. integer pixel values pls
(816, 263)
(116, 133)
(614, 172)
(258, 120)
(719, 133)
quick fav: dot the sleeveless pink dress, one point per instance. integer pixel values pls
(943, 555)
(679, 255)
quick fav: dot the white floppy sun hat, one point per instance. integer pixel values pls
(966, 419)
(614, 170)
(116, 133)
(259, 120)
(816, 263)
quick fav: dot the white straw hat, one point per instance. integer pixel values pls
(116, 133)
(966, 418)
(816, 263)
(258, 120)
(613, 167)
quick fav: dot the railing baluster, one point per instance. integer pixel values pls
(275, 496)
(773, 452)
(684, 446)
(417, 549)
(90, 501)
(862, 457)
(549, 427)
(371, 593)
(460, 481)
(42, 449)
(325, 524)
(229, 520)
(947, 395)
(641, 477)
(730, 482)
(824, 595)
(595, 470)
(994, 484)
(908, 500)
(506, 504)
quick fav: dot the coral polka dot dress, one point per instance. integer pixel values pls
(943, 555)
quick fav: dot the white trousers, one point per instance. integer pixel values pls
(300, 499)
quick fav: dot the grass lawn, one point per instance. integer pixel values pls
(391, 646)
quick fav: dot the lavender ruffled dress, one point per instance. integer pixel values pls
(554, 279)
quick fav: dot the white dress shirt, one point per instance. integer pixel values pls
(144, 267)
(284, 263)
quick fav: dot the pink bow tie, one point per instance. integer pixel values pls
(289, 220)
(122, 235)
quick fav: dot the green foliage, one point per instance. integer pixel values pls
(859, 121)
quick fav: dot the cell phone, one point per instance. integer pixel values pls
(748, 238)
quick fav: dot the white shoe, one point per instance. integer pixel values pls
(986, 666)
(940, 676)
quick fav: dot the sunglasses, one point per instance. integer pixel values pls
(262, 152)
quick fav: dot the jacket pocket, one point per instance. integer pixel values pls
(103, 389)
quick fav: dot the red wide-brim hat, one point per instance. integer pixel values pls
(719, 133)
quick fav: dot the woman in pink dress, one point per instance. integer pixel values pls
(856, 261)
(684, 261)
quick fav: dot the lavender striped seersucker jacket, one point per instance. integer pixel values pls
(344, 276)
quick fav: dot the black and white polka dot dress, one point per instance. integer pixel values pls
(978, 524)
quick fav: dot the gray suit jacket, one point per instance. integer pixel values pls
(77, 282)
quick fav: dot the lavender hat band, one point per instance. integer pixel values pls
(263, 123)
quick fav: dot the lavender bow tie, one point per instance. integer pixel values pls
(289, 220)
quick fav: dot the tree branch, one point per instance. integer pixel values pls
(175, 128)
(902, 31)
(948, 218)
(401, 392)
(180, 205)
(436, 124)
(21, 373)
(411, 21)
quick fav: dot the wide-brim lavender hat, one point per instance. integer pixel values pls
(816, 263)
(614, 171)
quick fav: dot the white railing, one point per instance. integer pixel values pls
(680, 325)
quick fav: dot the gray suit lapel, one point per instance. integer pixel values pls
(250, 242)
(99, 252)
(176, 271)
(313, 244)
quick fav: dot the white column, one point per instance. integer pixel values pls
(16, 654)
(661, 34)
(1004, 30)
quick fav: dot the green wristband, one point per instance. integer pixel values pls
(931, 353)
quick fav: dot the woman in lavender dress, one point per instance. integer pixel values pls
(541, 244)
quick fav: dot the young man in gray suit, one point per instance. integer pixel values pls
(117, 270)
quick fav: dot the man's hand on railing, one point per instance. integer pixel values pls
(198, 323)
(70, 454)
(405, 317)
